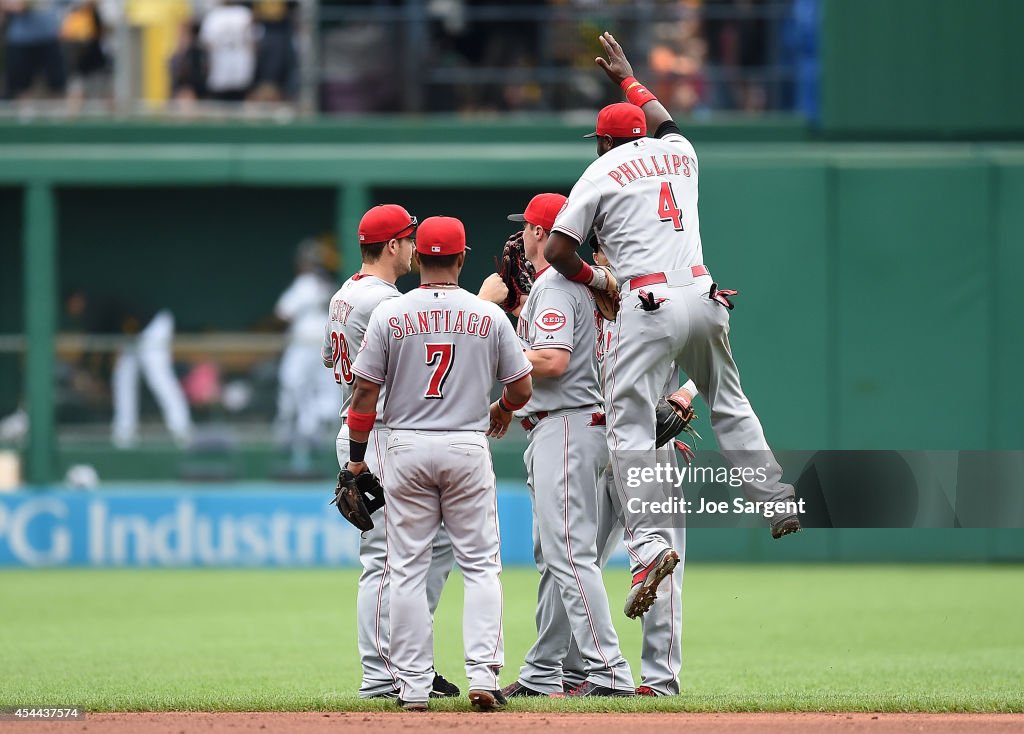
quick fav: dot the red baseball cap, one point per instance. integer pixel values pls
(620, 120)
(384, 223)
(441, 236)
(542, 210)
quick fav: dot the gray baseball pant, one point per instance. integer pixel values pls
(373, 608)
(565, 464)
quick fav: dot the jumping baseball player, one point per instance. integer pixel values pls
(661, 654)
(386, 237)
(554, 663)
(565, 463)
(640, 197)
(438, 350)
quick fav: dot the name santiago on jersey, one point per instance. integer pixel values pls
(437, 321)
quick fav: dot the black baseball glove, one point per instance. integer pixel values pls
(515, 270)
(358, 496)
(673, 415)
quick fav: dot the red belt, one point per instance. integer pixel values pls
(530, 422)
(652, 278)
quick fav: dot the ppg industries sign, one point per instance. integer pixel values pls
(193, 528)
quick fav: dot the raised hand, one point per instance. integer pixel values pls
(617, 65)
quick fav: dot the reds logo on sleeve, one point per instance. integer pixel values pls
(550, 319)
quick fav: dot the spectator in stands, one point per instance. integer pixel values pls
(276, 60)
(227, 36)
(81, 35)
(188, 66)
(32, 34)
(738, 37)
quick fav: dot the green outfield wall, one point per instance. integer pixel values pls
(879, 283)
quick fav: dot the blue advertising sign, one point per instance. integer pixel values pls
(201, 527)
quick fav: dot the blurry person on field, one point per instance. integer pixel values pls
(147, 351)
(307, 395)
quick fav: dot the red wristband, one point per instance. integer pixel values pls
(584, 276)
(636, 93)
(360, 421)
(512, 407)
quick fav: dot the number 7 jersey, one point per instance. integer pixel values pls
(438, 351)
(349, 314)
(641, 200)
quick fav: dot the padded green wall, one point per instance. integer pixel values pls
(913, 248)
(1008, 303)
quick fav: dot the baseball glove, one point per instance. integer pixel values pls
(673, 415)
(607, 303)
(358, 496)
(515, 270)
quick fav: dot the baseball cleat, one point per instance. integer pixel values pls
(487, 700)
(645, 691)
(645, 584)
(518, 690)
(411, 705)
(588, 689)
(785, 526)
(442, 688)
(388, 695)
(568, 686)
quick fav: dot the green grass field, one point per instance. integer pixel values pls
(778, 638)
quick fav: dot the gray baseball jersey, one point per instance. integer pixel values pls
(350, 312)
(430, 342)
(641, 200)
(560, 314)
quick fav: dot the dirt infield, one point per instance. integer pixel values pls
(507, 723)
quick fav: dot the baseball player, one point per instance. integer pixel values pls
(386, 236)
(439, 349)
(306, 396)
(661, 655)
(640, 197)
(555, 663)
(565, 463)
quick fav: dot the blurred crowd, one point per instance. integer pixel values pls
(538, 55)
(185, 50)
(464, 56)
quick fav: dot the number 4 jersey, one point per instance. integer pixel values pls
(438, 351)
(641, 200)
(350, 312)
